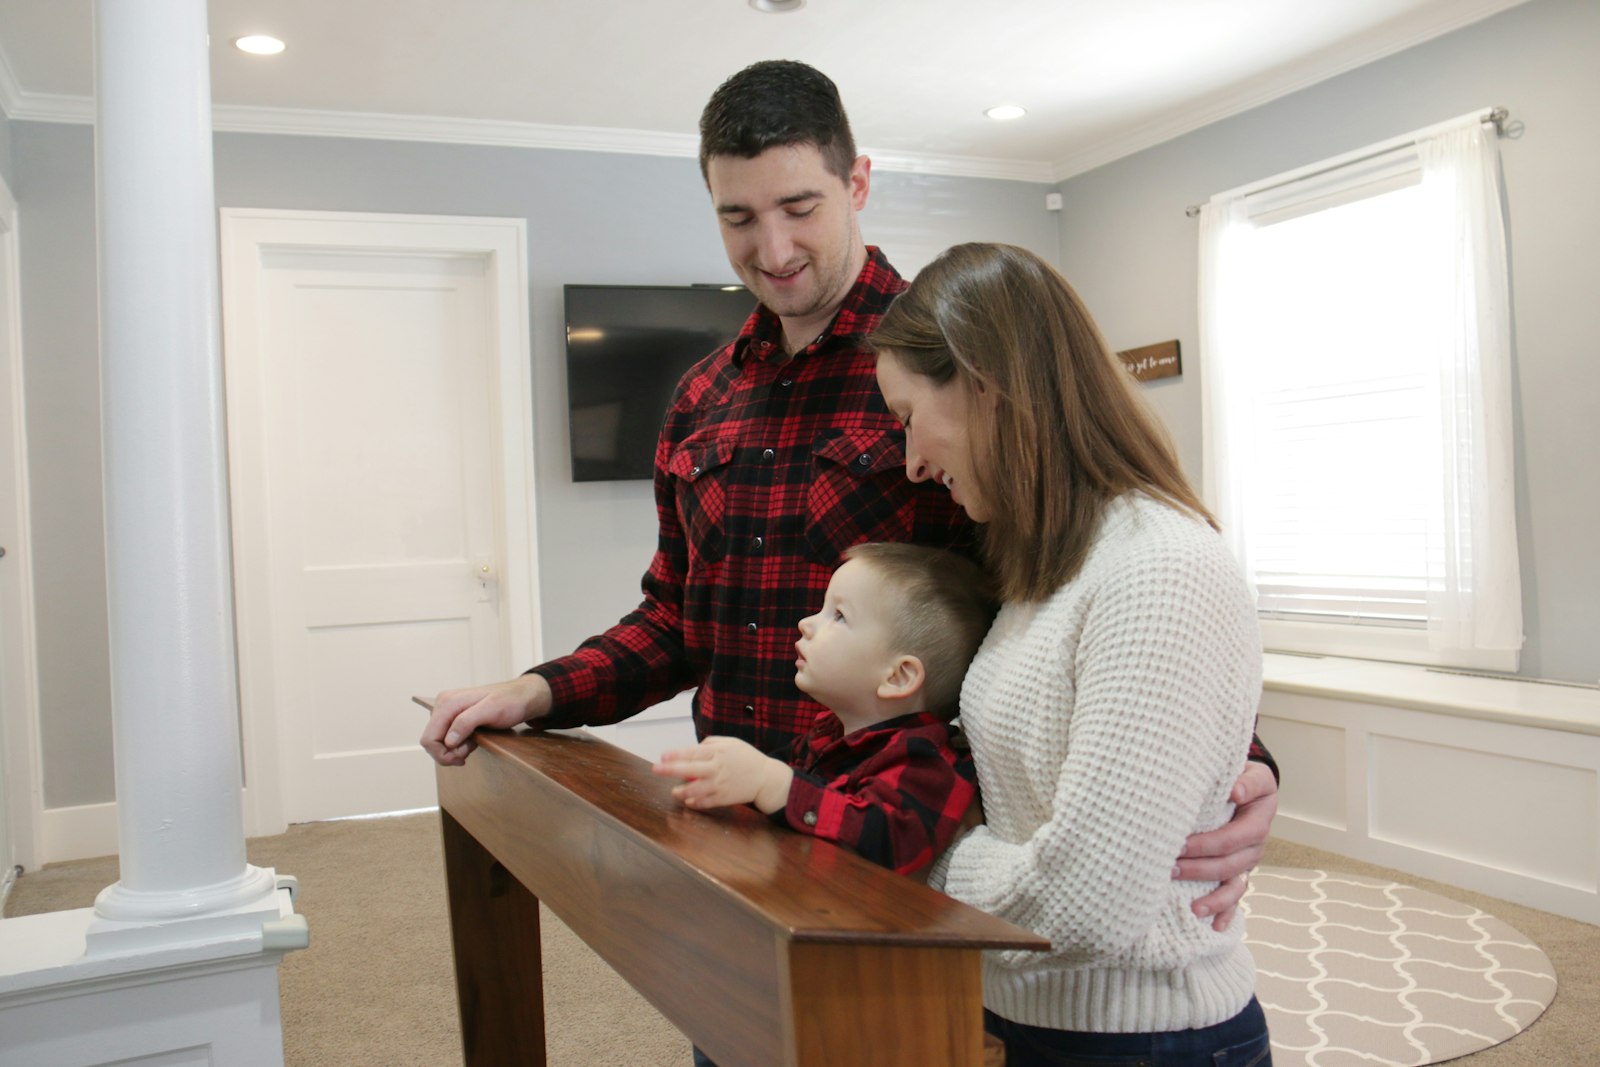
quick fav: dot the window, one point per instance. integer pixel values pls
(1355, 353)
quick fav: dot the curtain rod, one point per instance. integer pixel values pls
(1495, 116)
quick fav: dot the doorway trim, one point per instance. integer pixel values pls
(247, 236)
(22, 806)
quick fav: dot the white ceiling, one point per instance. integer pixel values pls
(1100, 78)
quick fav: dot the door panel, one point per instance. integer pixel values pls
(378, 457)
(370, 501)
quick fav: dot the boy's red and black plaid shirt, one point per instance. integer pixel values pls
(767, 469)
(893, 792)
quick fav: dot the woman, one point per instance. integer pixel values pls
(1111, 706)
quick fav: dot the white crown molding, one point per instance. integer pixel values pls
(45, 107)
(371, 125)
(1272, 86)
(10, 91)
(368, 125)
(1011, 170)
(49, 107)
(566, 138)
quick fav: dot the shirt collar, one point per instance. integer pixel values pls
(831, 729)
(864, 305)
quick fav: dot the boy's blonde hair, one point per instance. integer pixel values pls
(943, 605)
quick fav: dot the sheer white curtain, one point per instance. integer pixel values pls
(1224, 225)
(1459, 316)
(1475, 599)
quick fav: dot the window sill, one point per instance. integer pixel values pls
(1551, 706)
(1377, 642)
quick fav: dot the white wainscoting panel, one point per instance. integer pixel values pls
(1315, 793)
(1482, 807)
(1493, 786)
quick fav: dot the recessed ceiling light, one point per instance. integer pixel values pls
(1006, 112)
(258, 44)
(777, 7)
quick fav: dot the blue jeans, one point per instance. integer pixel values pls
(1239, 1042)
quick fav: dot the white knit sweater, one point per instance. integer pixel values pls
(1108, 723)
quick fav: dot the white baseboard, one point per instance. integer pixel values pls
(1517, 886)
(8, 880)
(90, 830)
(78, 833)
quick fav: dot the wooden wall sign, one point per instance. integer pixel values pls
(1153, 361)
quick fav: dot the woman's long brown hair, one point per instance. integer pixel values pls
(1060, 431)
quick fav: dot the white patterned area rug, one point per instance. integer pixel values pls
(1354, 972)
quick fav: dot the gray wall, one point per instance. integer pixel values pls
(1123, 240)
(60, 350)
(1131, 252)
(591, 218)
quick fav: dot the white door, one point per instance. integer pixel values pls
(380, 461)
(18, 724)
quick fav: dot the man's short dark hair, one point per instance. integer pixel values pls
(774, 103)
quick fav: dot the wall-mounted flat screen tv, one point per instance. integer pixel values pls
(627, 346)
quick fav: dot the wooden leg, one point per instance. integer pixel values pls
(866, 1006)
(494, 929)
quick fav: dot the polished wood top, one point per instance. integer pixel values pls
(813, 890)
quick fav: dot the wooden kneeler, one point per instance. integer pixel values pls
(765, 947)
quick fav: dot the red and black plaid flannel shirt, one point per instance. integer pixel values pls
(766, 471)
(893, 792)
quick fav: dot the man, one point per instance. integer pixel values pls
(776, 455)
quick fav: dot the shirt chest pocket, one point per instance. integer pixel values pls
(700, 470)
(858, 492)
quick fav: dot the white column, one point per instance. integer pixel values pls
(172, 655)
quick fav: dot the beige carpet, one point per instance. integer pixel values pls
(1353, 971)
(375, 987)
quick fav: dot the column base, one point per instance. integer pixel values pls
(198, 991)
(252, 887)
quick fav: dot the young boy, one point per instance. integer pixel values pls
(877, 773)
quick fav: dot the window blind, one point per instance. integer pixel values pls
(1341, 403)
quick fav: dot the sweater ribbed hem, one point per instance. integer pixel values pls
(1097, 1000)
